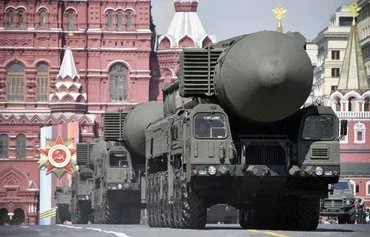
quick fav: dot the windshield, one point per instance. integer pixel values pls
(210, 125)
(341, 186)
(319, 127)
(118, 160)
(86, 176)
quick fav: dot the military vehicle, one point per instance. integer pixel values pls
(117, 166)
(63, 196)
(234, 131)
(340, 203)
(82, 185)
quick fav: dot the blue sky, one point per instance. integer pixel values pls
(226, 19)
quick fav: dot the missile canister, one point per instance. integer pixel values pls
(264, 76)
(137, 121)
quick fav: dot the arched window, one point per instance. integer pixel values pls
(118, 82)
(4, 217)
(42, 82)
(359, 133)
(10, 18)
(71, 19)
(4, 146)
(119, 21)
(15, 82)
(110, 20)
(21, 146)
(352, 104)
(337, 104)
(128, 21)
(43, 18)
(20, 21)
(18, 218)
(366, 104)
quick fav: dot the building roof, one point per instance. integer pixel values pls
(186, 23)
(68, 67)
(353, 75)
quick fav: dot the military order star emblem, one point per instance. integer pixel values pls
(58, 156)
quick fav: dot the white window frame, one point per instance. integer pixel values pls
(345, 138)
(367, 188)
(353, 184)
(359, 127)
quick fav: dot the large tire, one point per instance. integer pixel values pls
(167, 208)
(307, 214)
(149, 197)
(177, 206)
(112, 213)
(194, 211)
(352, 218)
(131, 216)
(80, 215)
(57, 218)
(247, 217)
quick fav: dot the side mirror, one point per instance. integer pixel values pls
(357, 188)
(343, 127)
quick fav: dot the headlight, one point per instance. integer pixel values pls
(348, 202)
(119, 186)
(126, 185)
(319, 171)
(212, 170)
(87, 197)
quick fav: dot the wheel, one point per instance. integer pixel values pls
(167, 208)
(131, 216)
(149, 194)
(177, 206)
(352, 218)
(170, 215)
(57, 218)
(246, 217)
(307, 213)
(194, 211)
(80, 215)
(342, 219)
(112, 213)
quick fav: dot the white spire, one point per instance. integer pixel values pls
(68, 67)
(186, 23)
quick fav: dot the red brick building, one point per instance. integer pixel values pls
(42, 83)
(351, 102)
(70, 60)
(185, 31)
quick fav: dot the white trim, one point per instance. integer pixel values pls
(68, 8)
(119, 61)
(22, 7)
(359, 127)
(41, 7)
(108, 9)
(367, 188)
(8, 7)
(353, 184)
(42, 60)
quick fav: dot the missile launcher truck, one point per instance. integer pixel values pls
(82, 186)
(234, 131)
(63, 196)
(117, 164)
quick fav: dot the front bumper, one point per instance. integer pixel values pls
(337, 211)
(328, 171)
(123, 186)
